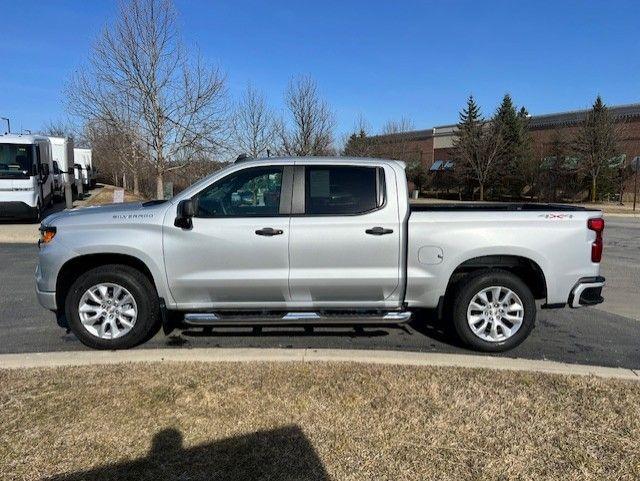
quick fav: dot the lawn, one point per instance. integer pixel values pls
(314, 421)
(105, 196)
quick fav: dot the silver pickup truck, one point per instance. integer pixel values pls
(314, 241)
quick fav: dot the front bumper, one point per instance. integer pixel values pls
(16, 209)
(47, 299)
(587, 292)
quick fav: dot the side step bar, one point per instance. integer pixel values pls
(295, 318)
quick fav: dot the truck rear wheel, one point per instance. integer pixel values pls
(493, 311)
(112, 307)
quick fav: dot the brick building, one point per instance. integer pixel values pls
(431, 145)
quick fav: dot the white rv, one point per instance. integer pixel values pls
(26, 176)
(62, 154)
(82, 158)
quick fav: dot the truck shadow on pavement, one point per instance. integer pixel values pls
(427, 323)
(423, 323)
(283, 454)
(275, 331)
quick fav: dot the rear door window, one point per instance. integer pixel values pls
(342, 190)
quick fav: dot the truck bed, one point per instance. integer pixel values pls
(495, 207)
(443, 236)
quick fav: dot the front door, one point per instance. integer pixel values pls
(236, 253)
(345, 247)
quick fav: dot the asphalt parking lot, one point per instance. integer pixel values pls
(607, 336)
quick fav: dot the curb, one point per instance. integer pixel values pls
(621, 214)
(86, 358)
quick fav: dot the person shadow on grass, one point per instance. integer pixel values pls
(283, 454)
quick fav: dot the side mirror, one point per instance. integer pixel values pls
(44, 171)
(186, 211)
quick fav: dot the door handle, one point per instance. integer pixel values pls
(269, 231)
(379, 231)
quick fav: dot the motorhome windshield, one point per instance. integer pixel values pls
(16, 161)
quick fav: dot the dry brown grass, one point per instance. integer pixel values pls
(105, 196)
(314, 421)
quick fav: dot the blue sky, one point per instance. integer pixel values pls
(383, 60)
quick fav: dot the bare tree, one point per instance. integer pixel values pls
(483, 161)
(253, 124)
(106, 150)
(310, 130)
(177, 103)
(395, 141)
(597, 142)
(404, 124)
(478, 145)
(59, 128)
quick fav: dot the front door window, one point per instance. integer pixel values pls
(247, 193)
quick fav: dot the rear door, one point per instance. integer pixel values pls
(344, 247)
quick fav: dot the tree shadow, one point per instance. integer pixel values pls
(283, 454)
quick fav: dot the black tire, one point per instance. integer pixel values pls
(148, 320)
(469, 286)
(36, 216)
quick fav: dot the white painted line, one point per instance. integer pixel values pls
(84, 358)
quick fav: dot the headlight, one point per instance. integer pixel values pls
(47, 233)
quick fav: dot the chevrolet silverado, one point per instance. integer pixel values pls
(314, 241)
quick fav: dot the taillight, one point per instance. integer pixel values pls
(596, 225)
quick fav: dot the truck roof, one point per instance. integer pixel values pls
(320, 160)
(21, 139)
(57, 140)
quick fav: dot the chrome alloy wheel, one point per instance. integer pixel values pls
(108, 310)
(495, 314)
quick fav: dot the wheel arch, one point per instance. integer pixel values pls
(76, 266)
(528, 270)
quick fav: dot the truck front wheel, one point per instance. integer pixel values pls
(493, 310)
(112, 307)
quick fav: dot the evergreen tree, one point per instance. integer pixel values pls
(357, 145)
(558, 149)
(597, 142)
(477, 145)
(417, 174)
(515, 164)
(528, 165)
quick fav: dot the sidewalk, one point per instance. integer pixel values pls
(244, 355)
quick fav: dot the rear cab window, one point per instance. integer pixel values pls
(343, 190)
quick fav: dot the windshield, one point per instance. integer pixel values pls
(16, 160)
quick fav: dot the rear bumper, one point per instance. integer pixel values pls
(587, 292)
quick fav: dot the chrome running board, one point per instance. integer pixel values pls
(295, 318)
